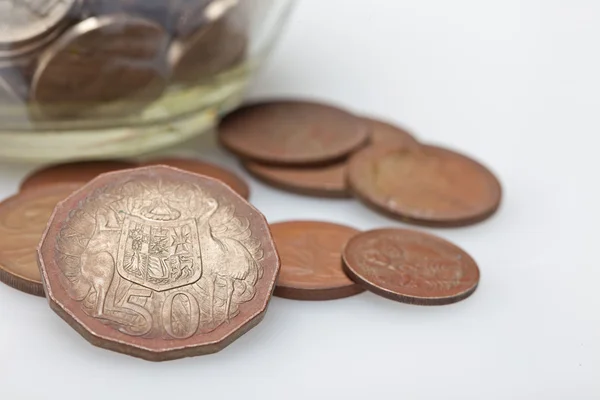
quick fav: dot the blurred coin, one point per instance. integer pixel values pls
(431, 186)
(411, 267)
(26, 20)
(109, 65)
(23, 219)
(327, 181)
(292, 133)
(311, 260)
(193, 14)
(76, 172)
(204, 168)
(212, 49)
(392, 135)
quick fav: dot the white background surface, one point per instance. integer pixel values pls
(514, 83)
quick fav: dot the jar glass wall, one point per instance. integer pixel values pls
(82, 79)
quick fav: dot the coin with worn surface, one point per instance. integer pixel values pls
(158, 263)
(76, 172)
(431, 186)
(25, 21)
(292, 133)
(326, 181)
(23, 219)
(311, 260)
(212, 49)
(107, 65)
(383, 133)
(204, 168)
(411, 267)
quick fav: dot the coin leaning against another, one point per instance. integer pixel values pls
(158, 263)
(410, 267)
(23, 219)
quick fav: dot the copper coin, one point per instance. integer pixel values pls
(158, 263)
(23, 219)
(311, 260)
(212, 49)
(76, 172)
(432, 186)
(101, 60)
(383, 133)
(204, 168)
(411, 267)
(292, 133)
(327, 181)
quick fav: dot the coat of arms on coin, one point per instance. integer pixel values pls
(158, 263)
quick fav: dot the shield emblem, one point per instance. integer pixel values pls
(159, 255)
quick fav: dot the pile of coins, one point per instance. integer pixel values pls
(319, 150)
(80, 58)
(166, 258)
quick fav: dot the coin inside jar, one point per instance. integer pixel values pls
(26, 21)
(410, 267)
(326, 181)
(107, 65)
(212, 49)
(431, 186)
(75, 172)
(23, 219)
(311, 260)
(292, 133)
(204, 168)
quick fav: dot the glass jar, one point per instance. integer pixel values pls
(92, 79)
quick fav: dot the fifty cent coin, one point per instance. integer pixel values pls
(76, 172)
(431, 186)
(23, 219)
(158, 263)
(204, 168)
(411, 267)
(327, 181)
(311, 260)
(292, 133)
(101, 60)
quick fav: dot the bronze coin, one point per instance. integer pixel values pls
(431, 186)
(212, 49)
(292, 133)
(327, 181)
(411, 267)
(383, 133)
(23, 219)
(311, 260)
(158, 263)
(107, 65)
(76, 172)
(204, 168)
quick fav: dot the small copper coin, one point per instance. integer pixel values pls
(292, 133)
(383, 133)
(431, 186)
(204, 168)
(23, 219)
(76, 172)
(99, 61)
(311, 260)
(158, 263)
(411, 267)
(327, 181)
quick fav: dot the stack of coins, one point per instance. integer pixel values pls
(88, 58)
(320, 150)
